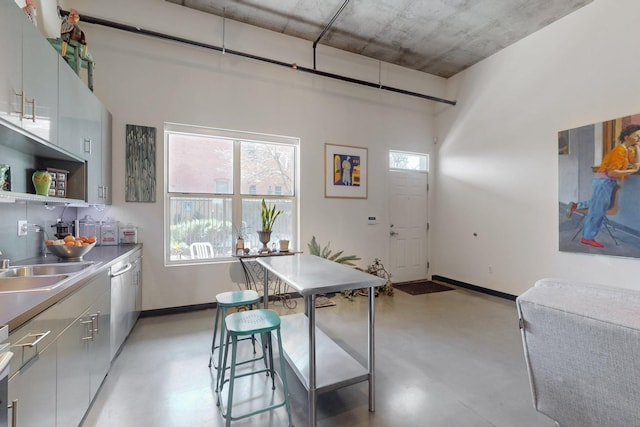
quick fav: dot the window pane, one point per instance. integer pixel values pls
(266, 166)
(198, 164)
(252, 221)
(408, 161)
(200, 220)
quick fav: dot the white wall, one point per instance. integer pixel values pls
(147, 81)
(497, 169)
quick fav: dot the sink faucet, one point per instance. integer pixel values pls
(43, 247)
(4, 262)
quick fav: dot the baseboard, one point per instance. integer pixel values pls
(196, 307)
(177, 310)
(475, 288)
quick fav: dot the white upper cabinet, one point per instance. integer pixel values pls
(28, 75)
(11, 69)
(39, 84)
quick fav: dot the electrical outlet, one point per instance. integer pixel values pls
(22, 227)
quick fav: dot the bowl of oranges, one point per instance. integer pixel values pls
(71, 248)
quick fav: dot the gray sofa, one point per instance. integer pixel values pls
(582, 350)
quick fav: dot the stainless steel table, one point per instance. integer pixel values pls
(307, 349)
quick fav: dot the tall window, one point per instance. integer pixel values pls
(216, 180)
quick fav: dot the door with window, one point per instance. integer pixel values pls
(407, 196)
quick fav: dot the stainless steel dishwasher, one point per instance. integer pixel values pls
(126, 282)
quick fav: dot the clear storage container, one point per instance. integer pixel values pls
(109, 233)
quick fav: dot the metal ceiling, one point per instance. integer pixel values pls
(440, 37)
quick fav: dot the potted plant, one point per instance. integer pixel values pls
(268, 216)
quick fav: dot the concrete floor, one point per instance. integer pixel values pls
(451, 358)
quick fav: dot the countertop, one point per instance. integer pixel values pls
(310, 274)
(18, 308)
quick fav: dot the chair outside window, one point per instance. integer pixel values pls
(200, 250)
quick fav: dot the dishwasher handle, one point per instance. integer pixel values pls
(123, 270)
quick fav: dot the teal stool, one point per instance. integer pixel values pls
(224, 301)
(244, 324)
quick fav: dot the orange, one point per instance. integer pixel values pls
(78, 243)
(69, 238)
(92, 239)
(70, 243)
(48, 242)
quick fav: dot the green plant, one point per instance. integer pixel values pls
(269, 215)
(377, 269)
(315, 249)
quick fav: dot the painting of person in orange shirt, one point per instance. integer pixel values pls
(619, 163)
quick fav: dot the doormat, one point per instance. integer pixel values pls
(324, 302)
(419, 288)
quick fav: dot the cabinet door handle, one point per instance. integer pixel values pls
(96, 318)
(39, 337)
(33, 103)
(21, 95)
(91, 329)
(14, 412)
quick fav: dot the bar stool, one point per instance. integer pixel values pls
(224, 301)
(243, 324)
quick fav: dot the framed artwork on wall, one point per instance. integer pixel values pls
(598, 188)
(140, 184)
(345, 171)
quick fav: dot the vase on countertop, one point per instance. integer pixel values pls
(42, 182)
(264, 237)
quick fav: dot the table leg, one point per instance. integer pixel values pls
(372, 347)
(265, 292)
(311, 313)
(247, 276)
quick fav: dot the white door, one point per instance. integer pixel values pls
(407, 226)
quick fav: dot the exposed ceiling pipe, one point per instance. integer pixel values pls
(326, 28)
(142, 31)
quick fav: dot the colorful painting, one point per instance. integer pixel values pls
(599, 188)
(5, 177)
(345, 171)
(140, 183)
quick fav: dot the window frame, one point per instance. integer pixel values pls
(410, 153)
(236, 196)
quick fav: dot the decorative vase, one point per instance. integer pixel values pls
(240, 246)
(41, 182)
(264, 237)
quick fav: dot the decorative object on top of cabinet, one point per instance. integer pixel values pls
(140, 179)
(72, 46)
(70, 30)
(31, 12)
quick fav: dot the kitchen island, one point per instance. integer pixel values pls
(319, 363)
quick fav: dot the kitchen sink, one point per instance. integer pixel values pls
(45, 269)
(30, 283)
